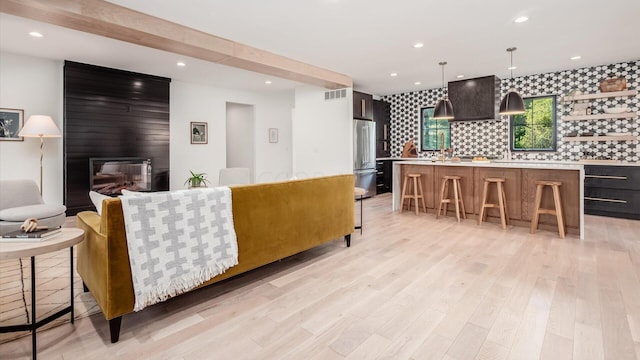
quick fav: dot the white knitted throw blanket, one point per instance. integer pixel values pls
(178, 240)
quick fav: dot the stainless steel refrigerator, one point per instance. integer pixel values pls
(364, 155)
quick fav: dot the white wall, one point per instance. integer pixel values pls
(322, 133)
(194, 102)
(241, 137)
(34, 85)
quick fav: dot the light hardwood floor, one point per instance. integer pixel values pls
(411, 287)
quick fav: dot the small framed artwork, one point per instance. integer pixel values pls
(11, 121)
(273, 135)
(198, 132)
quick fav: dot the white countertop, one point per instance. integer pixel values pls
(519, 162)
(499, 164)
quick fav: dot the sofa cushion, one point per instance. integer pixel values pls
(41, 211)
(126, 192)
(96, 199)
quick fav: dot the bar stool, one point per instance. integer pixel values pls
(557, 210)
(457, 196)
(502, 201)
(416, 194)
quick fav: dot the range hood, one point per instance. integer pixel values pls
(475, 99)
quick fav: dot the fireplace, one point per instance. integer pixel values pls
(109, 176)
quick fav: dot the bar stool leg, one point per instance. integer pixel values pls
(536, 211)
(464, 212)
(456, 199)
(415, 194)
(424, 205)
(504, 201)
(501, 203)
(558, 205)
(404, 193)
(485, 190)
(442, 190)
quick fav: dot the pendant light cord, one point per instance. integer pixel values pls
(511, 67)
(442, 64)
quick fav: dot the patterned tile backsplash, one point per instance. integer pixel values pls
(491, 137)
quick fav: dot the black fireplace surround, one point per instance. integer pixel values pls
(113, 115)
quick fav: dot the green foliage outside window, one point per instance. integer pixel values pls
(536, 128)
(431, 130)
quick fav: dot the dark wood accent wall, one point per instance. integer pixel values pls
(112, 113)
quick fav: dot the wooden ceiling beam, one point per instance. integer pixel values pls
(113, 21)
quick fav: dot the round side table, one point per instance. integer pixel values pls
(19, 249)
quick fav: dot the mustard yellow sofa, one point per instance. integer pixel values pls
(272, 221)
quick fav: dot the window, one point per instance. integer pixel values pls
(535, 130)
(431, 130)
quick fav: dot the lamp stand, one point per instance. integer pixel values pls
(41, 155)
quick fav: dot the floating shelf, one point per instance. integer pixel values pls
(600, 138)
(601, 95)
(600, 116)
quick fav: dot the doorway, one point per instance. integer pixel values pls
(241, 137)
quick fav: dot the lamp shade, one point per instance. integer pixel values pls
(512, 104)
(40, 126)
(443, 110)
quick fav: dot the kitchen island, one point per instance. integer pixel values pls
(519, 188)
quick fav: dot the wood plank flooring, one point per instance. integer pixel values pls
(410, 287)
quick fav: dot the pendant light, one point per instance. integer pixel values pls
(443, 109)
(512, 103)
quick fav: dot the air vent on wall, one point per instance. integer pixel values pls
(335, 94)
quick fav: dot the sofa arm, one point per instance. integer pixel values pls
(103, 259)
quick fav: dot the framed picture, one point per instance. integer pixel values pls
(11, 121)
(273, 135)
(198, 132)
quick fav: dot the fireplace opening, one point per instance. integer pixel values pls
(109, 176)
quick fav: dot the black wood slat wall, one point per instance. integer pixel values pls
(112, 113)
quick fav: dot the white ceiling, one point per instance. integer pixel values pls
(365, 39)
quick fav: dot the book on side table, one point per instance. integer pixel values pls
(36, 235)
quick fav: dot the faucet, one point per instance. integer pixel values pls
(442, 145)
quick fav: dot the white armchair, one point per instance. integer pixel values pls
(20, 200)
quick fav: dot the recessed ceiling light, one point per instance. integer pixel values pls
(417, 83)
(393, 74)
(460, 76)
(36, 34)
(181, 64)
(268, 82)
(521, 19)
(512, 67)
(577, 57)
(418, 45)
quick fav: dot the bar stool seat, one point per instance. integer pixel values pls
(416, 194)
(557, 210)
(457, 196)
(502, 201)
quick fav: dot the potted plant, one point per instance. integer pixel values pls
(197, 180)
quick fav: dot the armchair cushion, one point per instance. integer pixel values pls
(22, 213)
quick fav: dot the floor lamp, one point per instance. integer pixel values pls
(40, 126)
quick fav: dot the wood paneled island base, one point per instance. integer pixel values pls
(519, 187)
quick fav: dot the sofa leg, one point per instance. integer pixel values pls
(84, 287)
(114, 329)
(347, 238)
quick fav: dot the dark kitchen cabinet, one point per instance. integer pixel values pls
(612, 191)
(384, 176)
(362, 106)
(382, 117)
